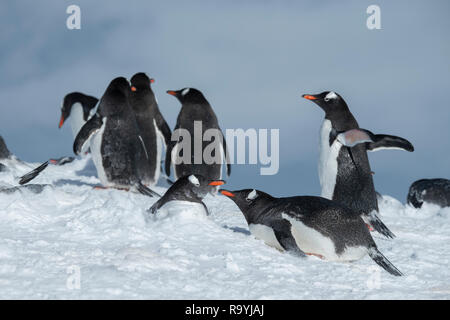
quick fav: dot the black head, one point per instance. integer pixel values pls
(188, 96)
(197, 185)
(329, 101)
(4, 152)
(87, 102)
(115, 98)
(250, 201)
(140, 81)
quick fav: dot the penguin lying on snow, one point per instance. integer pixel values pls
(78, 107)
(192, 189)
(436, 191)
(152, 126)
(313, 225)
(117, 149)
(344, 169)
(194, 108)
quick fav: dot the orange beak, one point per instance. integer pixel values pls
(61, 122)
(217, 183)
(152, 80)
(227, 193)
(133, 88)
(309, 97)
(171, 92)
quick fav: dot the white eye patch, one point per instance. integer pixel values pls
(185, 91)
(252, 195)
(330, 95)
(193, 179)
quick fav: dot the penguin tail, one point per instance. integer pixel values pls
(379, 226)
(33, 174)
(383, 262)
(146, 191)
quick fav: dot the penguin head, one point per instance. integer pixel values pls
(188, 96)
(87, 102)
(199, 185)
(140, 81)
(329, 101)
(115, 98)
(248, 200)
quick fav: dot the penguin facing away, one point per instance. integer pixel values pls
(195, 108)
(344, 169)
(78, 107)
(112, 133)
(435, 191)
(192, 188)
(152, 126)
(308, 225)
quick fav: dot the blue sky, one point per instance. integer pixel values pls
(252, 60)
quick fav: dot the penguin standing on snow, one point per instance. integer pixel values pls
(436, 191)
(116, 147)
(196, 117)
(152, 126)
(78, 107)
(344, 169)
(310, 225)
(192, 189)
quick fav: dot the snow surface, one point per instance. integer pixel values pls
(48, 237)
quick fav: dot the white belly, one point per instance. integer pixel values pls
(96, 145)
(76, 118)
(184, 208)
(311, 241)
(159, 137)
(328, 165)
(266, 234)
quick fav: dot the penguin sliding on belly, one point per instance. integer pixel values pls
(117, 149)
(435, 191)
(344, 169)
(309, 225)
(188, 189)
(78, 108)
(196, 110)
(152, 127)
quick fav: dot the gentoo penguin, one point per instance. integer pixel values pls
(152, 126)
(196, 117)
(78, 107)
(436, 191)
(116, 147)
(344, 169)
(310, 225)
(192, 189)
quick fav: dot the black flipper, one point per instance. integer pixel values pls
(384, 141)
(33, 174)
(284, 236)
(227, 155)
(383, 262)
(146, 191)
(93, 125)
(379, 226)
